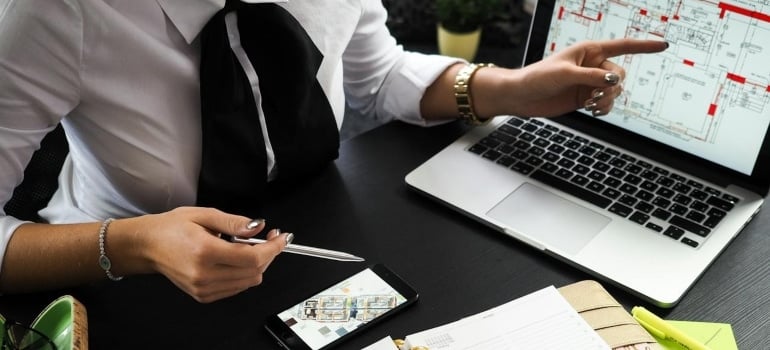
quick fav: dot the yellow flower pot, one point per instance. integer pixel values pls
(462, 45)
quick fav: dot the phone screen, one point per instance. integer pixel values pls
(342, 309)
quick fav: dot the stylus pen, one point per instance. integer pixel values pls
(304, 250)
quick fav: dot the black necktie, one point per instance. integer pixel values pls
(300, 122)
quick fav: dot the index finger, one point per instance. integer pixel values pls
(617, 47)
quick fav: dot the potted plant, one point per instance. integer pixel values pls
(460, 23)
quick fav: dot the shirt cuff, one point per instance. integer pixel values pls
(8, 225)
(404, 87)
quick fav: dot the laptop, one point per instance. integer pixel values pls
(648, 196)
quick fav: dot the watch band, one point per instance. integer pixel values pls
(463, 94)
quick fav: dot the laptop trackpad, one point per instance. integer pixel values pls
(548, 219)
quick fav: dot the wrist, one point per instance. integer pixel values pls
(493, 91)
(126, 248)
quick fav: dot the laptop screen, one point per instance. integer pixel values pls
(708, 94)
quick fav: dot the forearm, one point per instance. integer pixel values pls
(44, 257)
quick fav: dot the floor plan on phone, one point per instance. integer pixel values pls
(342, 308)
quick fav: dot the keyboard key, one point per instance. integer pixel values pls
(628, 200)
(489, 142)
(712, 221)
(572, 189)
(649, 186)
(617, 173)
(596, 176)
(566, 163)
(627, 188)
(661, 214)
(601, 166)
(579, 180)
(681, 199)
(674, 232)
(523, 168)
(570, 154)
(699, 195)
(644, 207)
(682, 188)
(695, 184)
(612, 193)
(695, 216)
(644, 195)
(678, 209)
(564, 173)
(549, 167)
(678, 177)
(478, 149)
(620, 209)
(542, 143)
(595, 186)
(632, 179)
(509, 130)
(689, 242)
(515, 121)
(661, 202)
(581, 169)
(699, 206)
(654, 227)
(639, 218)
(502, 137)
(660, 170)
(730, 198)
(506, 161)
(633, 169)
(721, 204)
(558, 139)
(491, 154)
(581, 139)
(664, 192)
(612, 182)
(689, 226)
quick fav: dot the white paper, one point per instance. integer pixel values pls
(540, 320)
(382, 344)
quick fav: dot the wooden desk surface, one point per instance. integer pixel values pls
(362, 205)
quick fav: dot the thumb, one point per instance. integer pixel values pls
(594, 77)
(277, 241)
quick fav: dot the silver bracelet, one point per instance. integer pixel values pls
(104, 261)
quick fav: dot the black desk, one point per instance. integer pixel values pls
(361, 205)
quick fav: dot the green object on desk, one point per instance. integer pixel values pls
(714, 335)
(678, 335)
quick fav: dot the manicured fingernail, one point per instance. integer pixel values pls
(611, 78)
(596, 112)
(289, 238)
(590, 105)
(255, 223)
(667, 45)
(597, 95)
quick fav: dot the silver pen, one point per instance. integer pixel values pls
(304, 250)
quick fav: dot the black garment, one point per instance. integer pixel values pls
(300, 121)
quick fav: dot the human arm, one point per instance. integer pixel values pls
(558, 84)
(182, 244)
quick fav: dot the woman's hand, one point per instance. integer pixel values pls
(579, 76)
(184, 245)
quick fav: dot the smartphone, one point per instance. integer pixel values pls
(348, 307)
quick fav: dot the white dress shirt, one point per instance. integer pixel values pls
(122, 78)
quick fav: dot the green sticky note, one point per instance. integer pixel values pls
(714, 335)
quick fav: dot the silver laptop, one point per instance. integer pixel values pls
(648, 196)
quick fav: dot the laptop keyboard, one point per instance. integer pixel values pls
(649, 195)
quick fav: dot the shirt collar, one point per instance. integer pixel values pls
(189, 17)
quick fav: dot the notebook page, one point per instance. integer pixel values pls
(540, 320)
